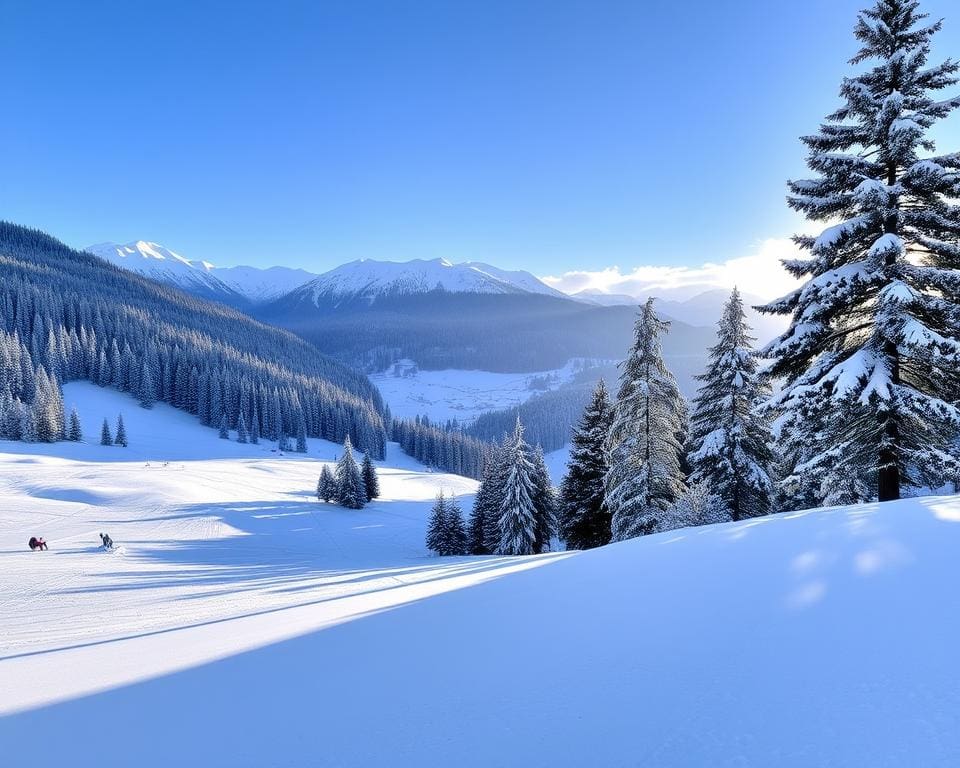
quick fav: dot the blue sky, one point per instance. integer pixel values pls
(551, 135)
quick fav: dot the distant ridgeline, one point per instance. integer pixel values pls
(505, 332)
(66, 315)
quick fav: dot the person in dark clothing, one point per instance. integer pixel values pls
(107, 541)
(37, 543)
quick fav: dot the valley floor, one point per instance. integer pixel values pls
(243, 623)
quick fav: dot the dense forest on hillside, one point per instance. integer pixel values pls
(67, 315)
(548, 418)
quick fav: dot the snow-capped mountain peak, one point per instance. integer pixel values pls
(370, 279)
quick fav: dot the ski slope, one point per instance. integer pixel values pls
(245, 624)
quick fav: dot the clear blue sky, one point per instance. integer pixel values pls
(547, 135)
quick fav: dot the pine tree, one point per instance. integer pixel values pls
(283, 444)
(350, 489)
(730, 441)
(120, 437)
(148, 390)
(326, 485)
(76, 432)
(518, 516)
(643, 446)
(371, 482)
(544, 503)
(437, 527)
(301, 435)
(484, 526)
(255, 427)
(105, 437)
(242, 435)
(584, 518)
(456, 535)
(871, 361)
(224, 429)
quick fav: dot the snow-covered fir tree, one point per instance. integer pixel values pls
(75, 431)
(242, 435)
(437, 527)
(326, 485)
(483, 529)
(644, 444)
(224, 427)
(255, 427)
(584, 518)
(544, 502)
(456, 537)
(730, 440)
(106, 438)
(371, 483)
(283, 444)
(147, 389)
(301, 435)
(48, 415)
(120, 436)
(445, 532)
(518, 514)
(350, 489)
(871, 361)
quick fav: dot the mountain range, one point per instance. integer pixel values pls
(472, 315)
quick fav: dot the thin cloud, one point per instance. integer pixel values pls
(759, 274)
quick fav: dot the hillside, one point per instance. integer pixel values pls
(77, 317)
(244, 623)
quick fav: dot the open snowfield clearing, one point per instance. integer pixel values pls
(464, 395)
(245, 624)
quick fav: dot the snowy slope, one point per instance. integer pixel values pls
(159, 263)
(462, 395)
(261, 285)
(368, 280)
(245, 624)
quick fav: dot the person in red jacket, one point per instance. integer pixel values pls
(37, 542)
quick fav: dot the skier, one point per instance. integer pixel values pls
(107, 541)
(37, 543)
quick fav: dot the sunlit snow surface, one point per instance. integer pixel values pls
(463, 395)
(243, 623)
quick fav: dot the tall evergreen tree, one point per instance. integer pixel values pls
(730, 441)
(350, 489)
(76, 432)
(326, 485)
(483, 536)
(148, 390)
(643, 446)
(105, 437)
(437, 527)
(584, 518)
(518, 515)
(224, 428)
(456, 534)
(544, 502)
(255, 427)
(242, 434)
(301, 435)
(872, 352)
(120, 437)
(371, 482)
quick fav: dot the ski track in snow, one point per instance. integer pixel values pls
(243, 623)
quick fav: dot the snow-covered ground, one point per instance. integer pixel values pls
(464, 395)
(242, 623)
